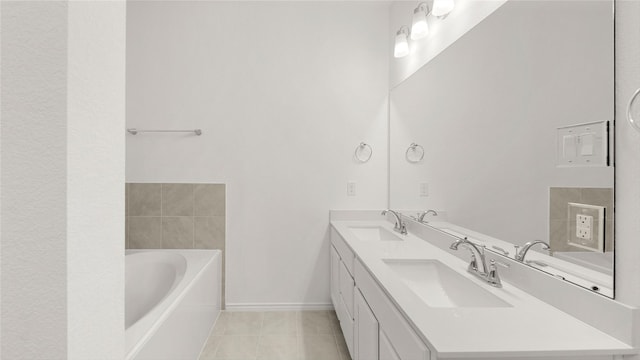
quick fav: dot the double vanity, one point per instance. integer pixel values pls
(405, 296)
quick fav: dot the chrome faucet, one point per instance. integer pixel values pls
(425, 213)
(521, 254)
(400, 225)
(489, 274)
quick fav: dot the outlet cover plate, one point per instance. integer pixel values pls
(583, 145)
(582, 217)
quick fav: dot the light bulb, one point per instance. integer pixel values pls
(420, 27)
(442, 7)
(401, 48)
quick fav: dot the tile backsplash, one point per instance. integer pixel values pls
(176, 216)
(559, 223)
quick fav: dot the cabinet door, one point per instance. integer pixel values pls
(366, 333)
(335, 281)
(346, 288)
(386, 350)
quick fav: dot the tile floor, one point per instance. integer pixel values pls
(276, 335)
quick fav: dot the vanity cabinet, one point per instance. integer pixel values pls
(342, 287)
(365, 312)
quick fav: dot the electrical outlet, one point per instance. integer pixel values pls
(351, 188)
(584, 226)
(424, 189)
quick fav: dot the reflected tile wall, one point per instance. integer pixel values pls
(559, 199)
(176, 216)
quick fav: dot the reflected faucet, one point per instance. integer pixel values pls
(400, 225)
(521, 254)
(489, 274)
(425, 213)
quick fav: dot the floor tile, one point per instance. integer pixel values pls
(244, 323)
(278, 347)
(210, 348)
(279, 323)
(318, 347)
(314, 323)
(334, 323)
(342, 347)
(237, 347)
(277, 335)
(221, 323)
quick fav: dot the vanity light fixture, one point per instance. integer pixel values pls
(401, 48)
(442, 7)
(419, 25)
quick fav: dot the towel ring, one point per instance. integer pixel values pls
(413, 149)
(634, 122)
(359, 149)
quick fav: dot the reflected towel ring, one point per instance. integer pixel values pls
(413, 149)
(360, 149)
(634, 122)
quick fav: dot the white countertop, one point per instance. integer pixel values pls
(529, 327)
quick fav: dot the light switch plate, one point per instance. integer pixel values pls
(586, 227)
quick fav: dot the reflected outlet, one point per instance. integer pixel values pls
(424, 189)
(586, 227)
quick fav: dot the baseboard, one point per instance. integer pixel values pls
(278, 306)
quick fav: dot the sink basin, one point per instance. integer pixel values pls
(374, 233)
(439, 286)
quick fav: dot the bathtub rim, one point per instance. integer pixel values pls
(165, 308)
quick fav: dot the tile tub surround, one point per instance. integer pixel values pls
(176, 216)
(559, 197)
(276, 335)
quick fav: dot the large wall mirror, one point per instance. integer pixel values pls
(512, 139)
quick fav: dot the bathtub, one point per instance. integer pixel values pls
(172, 299)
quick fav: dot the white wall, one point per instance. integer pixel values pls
(62, 183)
(627, 154)
(95, 179)
(443, 32)
(33, 87)
(284, 92)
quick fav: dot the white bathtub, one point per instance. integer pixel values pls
(172, 299)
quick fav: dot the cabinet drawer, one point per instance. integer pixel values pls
(400, 334)
(343, 249)
(346, 288)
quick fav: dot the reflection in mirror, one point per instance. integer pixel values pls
(514, 119)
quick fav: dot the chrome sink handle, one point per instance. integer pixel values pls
(488, 274)
(493, 278)
(400, 226)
